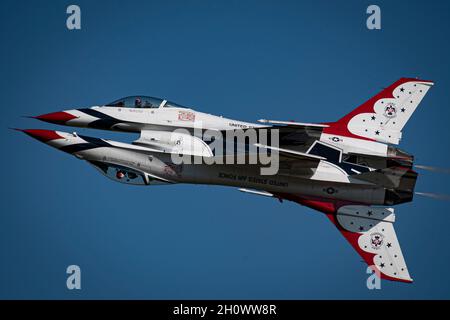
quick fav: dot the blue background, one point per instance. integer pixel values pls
(308, 61)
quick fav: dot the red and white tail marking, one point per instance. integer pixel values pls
(370, 231)
(383, 117)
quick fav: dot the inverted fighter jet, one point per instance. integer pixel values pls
(349, 169)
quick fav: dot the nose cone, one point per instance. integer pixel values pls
(60, 117)
(42, 135)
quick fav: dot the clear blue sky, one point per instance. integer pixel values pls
(307, 61)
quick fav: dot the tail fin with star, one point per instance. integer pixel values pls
(382, 117)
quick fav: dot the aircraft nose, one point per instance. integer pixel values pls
(60, 117)
(41, 135)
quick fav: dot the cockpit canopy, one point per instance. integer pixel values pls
(142, 102)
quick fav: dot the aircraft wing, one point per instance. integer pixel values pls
(178, 142)
(291, 153)
(293, 137)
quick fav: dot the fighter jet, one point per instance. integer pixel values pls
(349, 169)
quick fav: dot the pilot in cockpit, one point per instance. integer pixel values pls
(138, 102)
